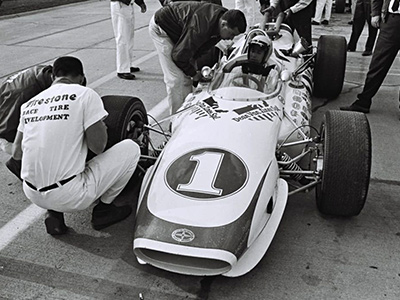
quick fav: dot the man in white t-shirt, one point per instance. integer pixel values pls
(56, 129)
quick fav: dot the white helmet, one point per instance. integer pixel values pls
(265, 43)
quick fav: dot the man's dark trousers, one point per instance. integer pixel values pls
(386, 49)
(362, 13)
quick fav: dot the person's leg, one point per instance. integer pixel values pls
(111, 170)
(177, 83)
(386, 49)
(131, 38)
(328, 10)
(318, 10)
(357, 28)
(303, 28)
(239, 4)
(121, 20)
(353, 9)
(250, 12)
(372, 33)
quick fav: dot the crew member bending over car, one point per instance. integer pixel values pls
(181, 32)
(56, 129)
(14, 91)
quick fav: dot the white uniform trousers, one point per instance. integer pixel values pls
(104, 177)
(178, 84)
(123, 22)
(321, 5)
(248, 7)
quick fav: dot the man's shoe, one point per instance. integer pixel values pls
(350, 22)
(314, 23)
(367, 53)
(351, 49)
(325, 22)
(14, 166)
(55, 224)
(104, 215)
(135, 69)
(127, 76)
(355, 107)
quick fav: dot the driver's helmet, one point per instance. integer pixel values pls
(260, 49)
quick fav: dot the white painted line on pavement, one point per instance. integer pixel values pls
(112, 75)
(18, 224)
(32, 213)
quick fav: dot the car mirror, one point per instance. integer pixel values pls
(207, 73)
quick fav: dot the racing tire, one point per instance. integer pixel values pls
(346, 139)
(126, 119)
(340, 6)
(330, 66)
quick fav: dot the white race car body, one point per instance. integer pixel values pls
(213, 200)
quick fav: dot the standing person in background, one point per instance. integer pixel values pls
(362, 14)
(385, 16)
(352, 10)
(298, 14)
(57, 128)
(322, 6)
(248, 7)
(123, 22)
(182, 31)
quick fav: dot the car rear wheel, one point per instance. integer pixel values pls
(346, 139)
(126, 119)
(330, 66)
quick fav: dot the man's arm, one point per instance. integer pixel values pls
(300, 5)
(96, 137)
(376, 8)
(17, 146)
(271, 5)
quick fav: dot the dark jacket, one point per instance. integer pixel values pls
(15, 91)
(193, 27)
(380, 7)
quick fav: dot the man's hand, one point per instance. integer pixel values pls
(376, 21)
(196, 78)
(143, 8)
(288, 13)
(269, 10)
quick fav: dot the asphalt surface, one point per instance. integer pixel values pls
(311, 256)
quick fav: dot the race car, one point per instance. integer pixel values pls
(213, 196)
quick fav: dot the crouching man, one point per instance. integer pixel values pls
(56, 129)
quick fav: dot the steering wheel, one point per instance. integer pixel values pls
(246, 77)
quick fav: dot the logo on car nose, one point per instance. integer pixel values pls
(183, 235)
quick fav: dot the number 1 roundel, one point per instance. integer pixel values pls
(207, 174)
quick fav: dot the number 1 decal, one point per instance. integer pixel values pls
(204, 175)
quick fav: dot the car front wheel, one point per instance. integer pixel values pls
(346, 140)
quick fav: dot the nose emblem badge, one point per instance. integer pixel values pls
(183, 235)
